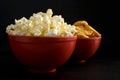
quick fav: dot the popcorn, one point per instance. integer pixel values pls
(41, 24)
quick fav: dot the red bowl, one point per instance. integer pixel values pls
(85, 48)
(42, 54)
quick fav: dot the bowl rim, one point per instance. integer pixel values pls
(41, 36)
(40, 39)
(99, 37)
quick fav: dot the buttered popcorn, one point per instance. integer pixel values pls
(41, 24)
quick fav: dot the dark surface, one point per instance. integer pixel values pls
(95, 68)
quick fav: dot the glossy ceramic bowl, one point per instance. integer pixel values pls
(85, 48)
(42, 54)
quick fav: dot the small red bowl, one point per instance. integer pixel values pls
(85, 48)
(42, 54)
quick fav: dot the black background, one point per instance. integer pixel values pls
(101, 15)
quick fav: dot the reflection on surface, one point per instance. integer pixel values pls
(91, 70)
(65, 72)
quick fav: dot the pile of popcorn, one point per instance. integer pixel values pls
(41, 24)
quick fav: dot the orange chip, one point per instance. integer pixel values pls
(85, 30)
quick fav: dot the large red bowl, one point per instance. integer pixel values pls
(42, 54)
(85, 48)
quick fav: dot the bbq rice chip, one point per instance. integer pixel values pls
(84, 30)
